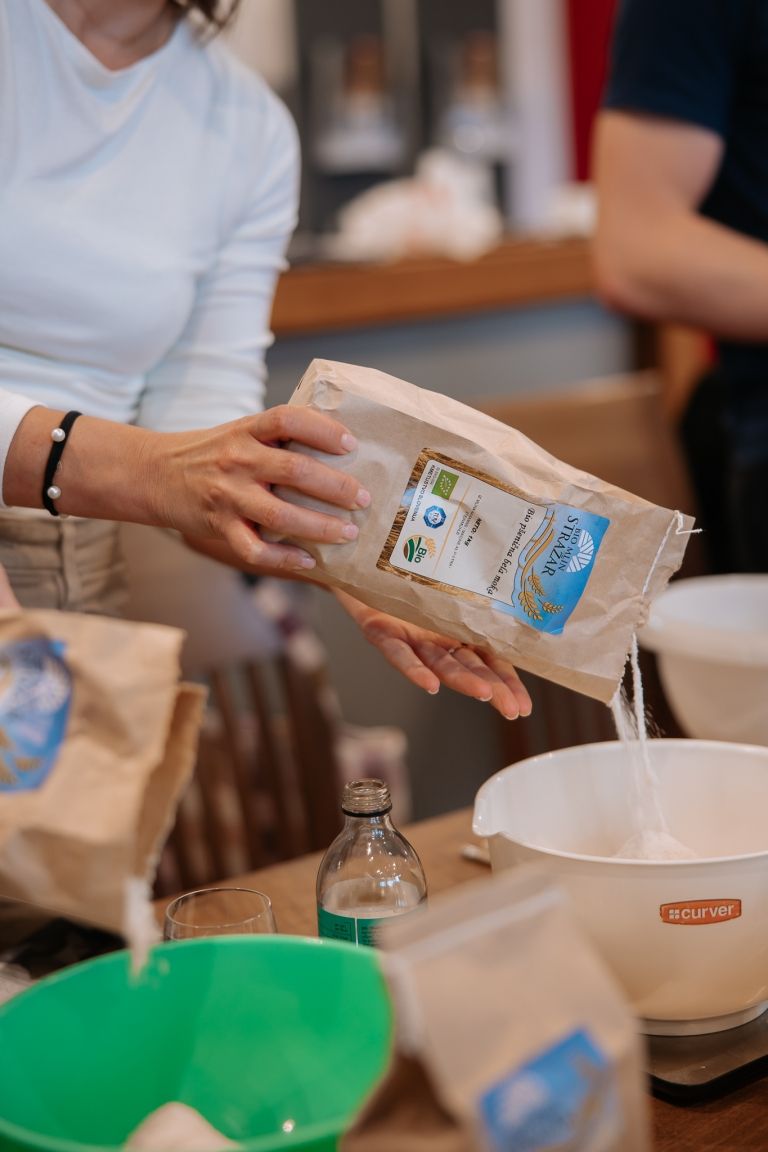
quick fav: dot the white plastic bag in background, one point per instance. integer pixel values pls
(444, 209)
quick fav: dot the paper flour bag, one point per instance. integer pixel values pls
(476, 532)
(97, 740)
(511, 1036)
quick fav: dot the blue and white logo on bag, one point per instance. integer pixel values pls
(554, 566)
(583, 552)
(565, 1098)
(435, 516)
(35, 698)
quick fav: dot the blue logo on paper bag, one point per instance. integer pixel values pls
(583, 552)
(564, 1098)
(554, 567)
(435, 516)
(35, 697)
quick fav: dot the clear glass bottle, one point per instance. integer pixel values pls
(370, 872)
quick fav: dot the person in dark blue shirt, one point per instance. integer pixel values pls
(681, 166)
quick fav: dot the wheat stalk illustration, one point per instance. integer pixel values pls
(27, 763)
(530, 604)
(531, 596)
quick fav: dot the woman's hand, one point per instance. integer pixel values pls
(425, 658)
(429, 660)
(216, 483)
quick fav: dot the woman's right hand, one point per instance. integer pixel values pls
(217, 483)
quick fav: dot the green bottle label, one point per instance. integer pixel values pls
(354, 929)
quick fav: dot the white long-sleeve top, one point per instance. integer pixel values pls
(144, 216)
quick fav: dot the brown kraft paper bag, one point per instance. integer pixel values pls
(510, 1034)
(97, 741)
(476, 532)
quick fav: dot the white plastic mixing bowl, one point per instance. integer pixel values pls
(710, 636)
(688, 940)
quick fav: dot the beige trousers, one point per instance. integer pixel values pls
(73, 565)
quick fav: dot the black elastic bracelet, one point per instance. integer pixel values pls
(59, 436)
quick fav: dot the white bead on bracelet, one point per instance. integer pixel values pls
(52, 492)
(58, 435)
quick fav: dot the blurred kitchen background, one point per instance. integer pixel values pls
(510, 85)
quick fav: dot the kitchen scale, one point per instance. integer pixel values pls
(691, 1069)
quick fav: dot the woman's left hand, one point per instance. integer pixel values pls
(429, 660)
(425, 658)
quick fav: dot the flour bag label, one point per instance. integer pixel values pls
(35, 696)
(474, 536)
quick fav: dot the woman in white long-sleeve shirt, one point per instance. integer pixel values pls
(148, 187)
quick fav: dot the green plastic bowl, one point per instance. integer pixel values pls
(254, 1032)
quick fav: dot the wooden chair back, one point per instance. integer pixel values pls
(266, 784)
(615, 428)
(267, 779)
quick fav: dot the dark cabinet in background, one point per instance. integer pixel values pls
(374, 83)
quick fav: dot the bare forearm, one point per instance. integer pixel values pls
(106, 471)
(655, 255)
(683, 268)
(212, 483)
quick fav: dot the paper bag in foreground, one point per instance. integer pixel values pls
(510, 1032)
(97, 740)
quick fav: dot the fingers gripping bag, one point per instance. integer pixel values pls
(97, 741)
(476, 532)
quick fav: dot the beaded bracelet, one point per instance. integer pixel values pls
(59, 436)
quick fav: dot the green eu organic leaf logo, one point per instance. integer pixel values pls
(445, 484)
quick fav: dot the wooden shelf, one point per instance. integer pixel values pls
(322, 297)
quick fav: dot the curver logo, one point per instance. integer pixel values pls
(697, 912)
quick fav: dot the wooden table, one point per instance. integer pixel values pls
(736, 1123)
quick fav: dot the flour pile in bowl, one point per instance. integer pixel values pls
(178, 1128)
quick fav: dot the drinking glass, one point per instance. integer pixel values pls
(218, 912)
